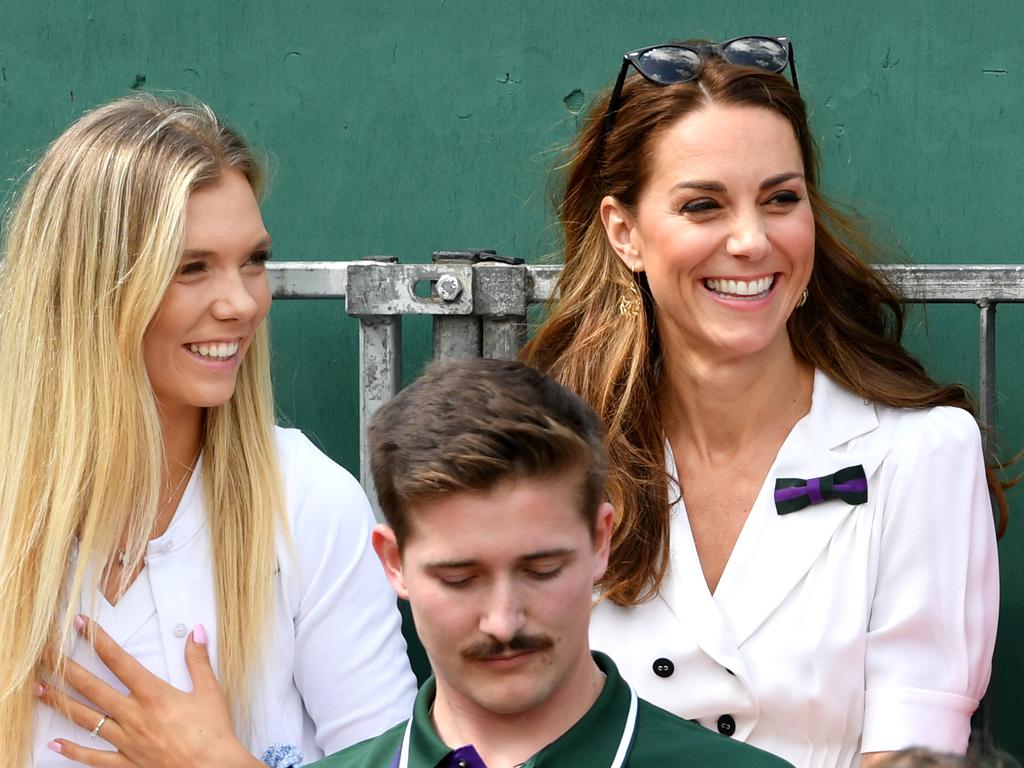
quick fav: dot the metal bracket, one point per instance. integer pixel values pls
(390, 289)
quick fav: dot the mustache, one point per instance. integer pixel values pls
(489, 649)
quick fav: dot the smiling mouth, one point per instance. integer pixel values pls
(222, 350)
(748, 290)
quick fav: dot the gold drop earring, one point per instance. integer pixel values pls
(630, 302)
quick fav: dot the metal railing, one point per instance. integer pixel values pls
(479, 302)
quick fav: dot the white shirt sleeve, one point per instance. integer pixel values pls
(350, 665)
(933, 619)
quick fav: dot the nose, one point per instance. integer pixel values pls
(748, 238)
(235, 297)
(503, 616)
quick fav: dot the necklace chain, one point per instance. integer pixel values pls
(123, 553)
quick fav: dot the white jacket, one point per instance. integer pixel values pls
(835, 629)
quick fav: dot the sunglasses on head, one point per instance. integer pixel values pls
(673, 63)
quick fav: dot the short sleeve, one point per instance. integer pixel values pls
(933, 619)
(350, 666)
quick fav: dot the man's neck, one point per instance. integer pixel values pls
(506, 740)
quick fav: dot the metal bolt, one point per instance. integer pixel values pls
(449, 287)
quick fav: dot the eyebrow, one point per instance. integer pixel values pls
(780, 178)
(203, 253)
(717, 186)
(542, 554)
(709, 186)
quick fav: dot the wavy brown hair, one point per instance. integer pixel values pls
(850, 327)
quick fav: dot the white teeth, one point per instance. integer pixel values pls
(740, 287)
(216, 350)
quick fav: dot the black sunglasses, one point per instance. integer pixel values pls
(678, 63)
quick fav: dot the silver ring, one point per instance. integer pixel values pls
(96, 730)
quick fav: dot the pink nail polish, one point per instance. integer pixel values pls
(199, 634)
(79, 622)
(40, 690)
(55, 746)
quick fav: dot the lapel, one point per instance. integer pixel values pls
(686, 593)
(774, 552)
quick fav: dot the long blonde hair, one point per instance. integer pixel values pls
(92, 243)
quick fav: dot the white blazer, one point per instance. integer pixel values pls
(837, 629)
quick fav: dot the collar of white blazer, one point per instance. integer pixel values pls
(774, 552)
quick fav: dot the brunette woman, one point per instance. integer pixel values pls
(805, 554)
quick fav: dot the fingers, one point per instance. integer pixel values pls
(122, 664)
(91, 687)
(98, 758)
(197, 659)
(81, 715)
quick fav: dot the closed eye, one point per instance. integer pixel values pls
(700, 205)
(544, 574)
(785, 197)
(454, 577)
(456, 583)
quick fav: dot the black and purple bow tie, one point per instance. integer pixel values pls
(793, 493)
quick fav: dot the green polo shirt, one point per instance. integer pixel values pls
(660, 738)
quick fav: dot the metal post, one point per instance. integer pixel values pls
(499, 298)
(380, 366)
(379, 292)
(380, 370)
(456, 337)
(987, 360)
(982, 741)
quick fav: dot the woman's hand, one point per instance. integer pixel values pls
(155, 725)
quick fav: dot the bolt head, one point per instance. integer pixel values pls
(448, 287)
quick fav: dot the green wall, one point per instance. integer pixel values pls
(406, 126)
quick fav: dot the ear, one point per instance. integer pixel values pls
(386, 546)
(620, 229)
(603, 525)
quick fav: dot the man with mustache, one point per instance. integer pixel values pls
(491, 479)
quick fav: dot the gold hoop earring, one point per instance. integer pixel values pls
(803, 298)
(630, 302)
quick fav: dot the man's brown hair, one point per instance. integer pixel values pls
(472, 425)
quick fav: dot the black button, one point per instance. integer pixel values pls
(726, 725)
(664, 668)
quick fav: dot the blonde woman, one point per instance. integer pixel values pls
(145, 484)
